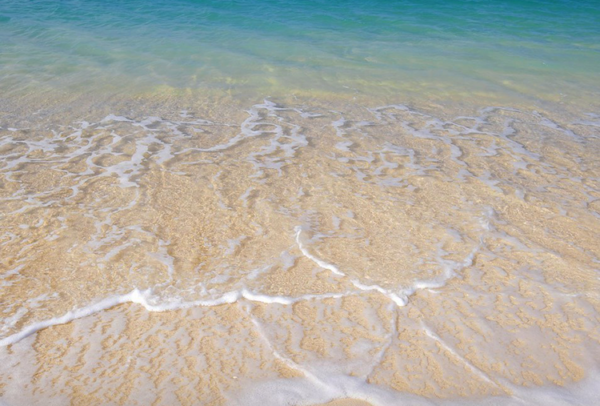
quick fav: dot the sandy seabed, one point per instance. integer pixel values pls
(298, 251)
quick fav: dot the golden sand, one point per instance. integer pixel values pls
(346, 402)
(411, 249)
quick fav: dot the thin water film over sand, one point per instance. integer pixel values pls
(400, 254)
(210, 202)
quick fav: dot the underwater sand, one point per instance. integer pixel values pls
(297, 253)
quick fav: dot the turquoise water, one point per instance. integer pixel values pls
(250, 46)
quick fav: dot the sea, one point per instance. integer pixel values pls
(269, 203)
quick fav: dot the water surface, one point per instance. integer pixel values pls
(267, 203)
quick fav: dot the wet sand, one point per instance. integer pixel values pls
(213, 254)
(346, 402)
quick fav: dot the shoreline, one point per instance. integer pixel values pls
(274, 215)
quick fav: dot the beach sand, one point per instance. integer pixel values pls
(346, 402)
(289, 253)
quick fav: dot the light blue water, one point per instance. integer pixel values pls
(546, 49)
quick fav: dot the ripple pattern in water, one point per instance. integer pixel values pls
(531, 49)
(336, 250)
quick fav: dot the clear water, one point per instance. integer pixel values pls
(287, 202)
(281, 47)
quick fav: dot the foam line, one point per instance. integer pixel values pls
(287, 361)
(133, 296)
(451, 350)
(307, 254)
(400, 297)
(143, 297)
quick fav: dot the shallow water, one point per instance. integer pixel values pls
(228, 203)
(531, 49)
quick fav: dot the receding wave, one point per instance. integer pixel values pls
(312, 251)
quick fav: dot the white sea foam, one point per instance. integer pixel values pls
(401, 295)
(304, 392)
(152, 303)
